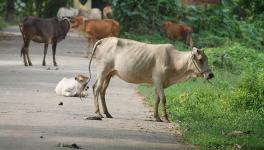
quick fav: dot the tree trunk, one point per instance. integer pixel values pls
(10, 10)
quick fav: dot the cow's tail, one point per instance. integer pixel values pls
(90, 75)
(23, 36)
(93, 52)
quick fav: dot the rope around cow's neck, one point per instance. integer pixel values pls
(196, 66)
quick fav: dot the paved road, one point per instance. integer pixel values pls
(31, 119)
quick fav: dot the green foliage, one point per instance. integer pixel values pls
(41, 8)
(2, 23)
(232, 20)
(234, 102)
(143, 16)
(250, 93)
(154, 38)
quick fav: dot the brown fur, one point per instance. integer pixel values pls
(181, 32)
(96, 29)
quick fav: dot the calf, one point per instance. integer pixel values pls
(71, 87)
(178, 32)
(47, 31)
(135, 62)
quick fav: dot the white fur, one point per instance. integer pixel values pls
(69, 87)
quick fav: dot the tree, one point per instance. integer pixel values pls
(9, 10)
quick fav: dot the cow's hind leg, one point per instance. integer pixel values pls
(96, 104)
(45, 53)
(102, 95)
(96, 90)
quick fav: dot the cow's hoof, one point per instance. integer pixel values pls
(108, 115)
(99, 115)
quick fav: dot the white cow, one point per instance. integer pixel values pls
(135, 62)
(71, 87)
(67, 12)
(93, 13)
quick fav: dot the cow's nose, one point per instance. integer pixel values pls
(210, 76)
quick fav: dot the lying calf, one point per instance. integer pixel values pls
(71, 87)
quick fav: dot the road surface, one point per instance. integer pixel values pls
(31, 119)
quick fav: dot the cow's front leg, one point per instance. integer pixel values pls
(161, 96)
(163, 101)
(45, 53)
(156, 111)
(54, 45)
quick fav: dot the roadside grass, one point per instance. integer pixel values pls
(229, 114)
(3, 24)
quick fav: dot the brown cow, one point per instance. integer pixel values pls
(96, 29)
(135, 62)
(47, 31)
(181, 32)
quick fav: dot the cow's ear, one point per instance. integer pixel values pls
(197, 53)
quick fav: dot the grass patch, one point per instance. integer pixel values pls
(208, 114)
(3, 24)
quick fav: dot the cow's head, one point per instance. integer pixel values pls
(77, 22)
(200, 64)
(166, 24)
(82, 80)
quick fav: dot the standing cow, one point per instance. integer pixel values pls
(96, 29)
(135, 62)
(181, 32)
(47, 31)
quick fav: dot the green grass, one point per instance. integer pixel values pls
(207, 113)
(3, 24)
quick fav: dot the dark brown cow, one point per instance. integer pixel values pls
(181, 32)
(47, 31)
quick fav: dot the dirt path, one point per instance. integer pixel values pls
(31, 119)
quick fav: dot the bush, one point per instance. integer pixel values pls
(2, 23)
(141, 16)
(250, 93)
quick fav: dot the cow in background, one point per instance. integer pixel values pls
(181, 32)
(93, 13)
(47, 31)
(96, 29)
(107, 12)
(67, 11)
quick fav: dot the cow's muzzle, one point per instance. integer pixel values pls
(208, 75)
